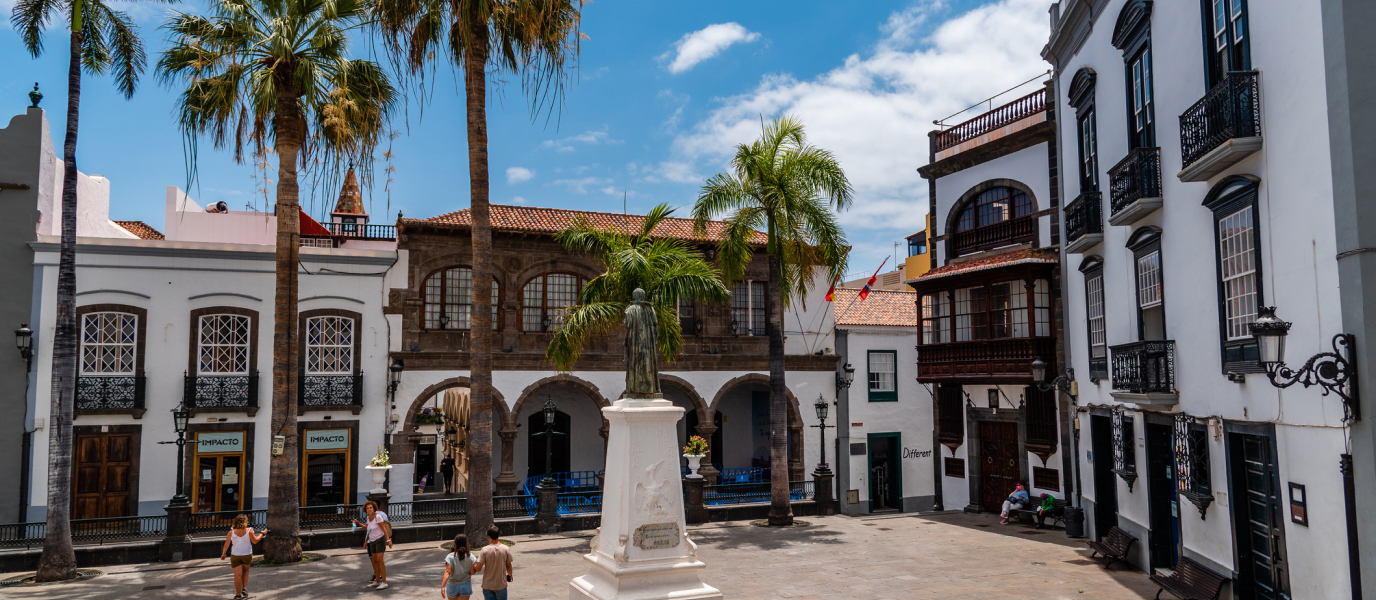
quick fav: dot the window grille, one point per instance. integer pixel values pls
(329, 346)
(1124, 447)
(1192, 479)
(1237, 257)
(936, 318)
(748, 303)
(758, 303)
(449, 299)
(109, 343)
(223, 345)
(1149, 280)
(548, 296)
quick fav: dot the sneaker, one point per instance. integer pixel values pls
(1003, 522)
(373, 583)
(245, 593)
(238, 596)
(382, 586)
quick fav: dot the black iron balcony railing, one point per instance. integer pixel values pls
(1005, 233)
(1230, 110)
(103, 392)
(362, 231)
(996, 118)
(331, 390)
(1135, 177)
(1144, 367)
(1084, 216)
(221, 391)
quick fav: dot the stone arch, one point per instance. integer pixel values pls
(403, 452)
(564, 265)
(433, 264)
(795, 419)
(953, 217)
(703, 409)
(510, 423)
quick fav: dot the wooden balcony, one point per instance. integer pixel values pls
(1084, 223)
(1006, 233)
(1221, 129)
(1135, 186)
(1007, 360)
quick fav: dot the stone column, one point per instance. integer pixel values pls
(709, 472)
(506, 483)
(381, 498)
(695, 511)
(547, 515)
(176, 546)
(823, 492)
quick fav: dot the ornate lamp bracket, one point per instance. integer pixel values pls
(1332, 371)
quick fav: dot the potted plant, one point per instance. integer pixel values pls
(378, 466)
(694, 452)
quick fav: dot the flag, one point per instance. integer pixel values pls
(831, 292)
(864, 293)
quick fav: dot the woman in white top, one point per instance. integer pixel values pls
(458, 571)
(378, 530)
(239, 545)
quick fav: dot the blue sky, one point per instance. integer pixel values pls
(663, 92)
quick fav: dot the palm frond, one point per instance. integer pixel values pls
(30, 18)
(581, 322)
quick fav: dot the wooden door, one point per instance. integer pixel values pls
(103, 464)
(998, 463)
(1258, 514)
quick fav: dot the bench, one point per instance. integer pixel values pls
(1113, 546)
(1190, 581)
(1057, 514)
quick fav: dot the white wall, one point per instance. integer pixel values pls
(1027, 166)
(910, 416)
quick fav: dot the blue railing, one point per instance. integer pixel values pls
(569, 481)
(752, 493)
(580, 503)
(743, 475)
(684, 470)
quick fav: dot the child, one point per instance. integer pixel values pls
(239, 544)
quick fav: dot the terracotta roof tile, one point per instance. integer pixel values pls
(1032, 255)
(141, 229)
(531, 219)
(880, 308)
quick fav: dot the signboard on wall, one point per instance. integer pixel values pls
(219, 442)
(327, 439)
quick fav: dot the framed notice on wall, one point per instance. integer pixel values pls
(1299, 513)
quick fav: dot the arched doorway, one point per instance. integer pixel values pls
(579, 454)
(422, 440)
(743, 406)
(556, 443)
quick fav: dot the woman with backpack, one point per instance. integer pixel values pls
(458, 571)
(239, 545)
(378, 540)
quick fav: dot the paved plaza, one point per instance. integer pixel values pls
(954, 556)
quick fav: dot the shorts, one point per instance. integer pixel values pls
(494, 594)
(240, 561)
(377, 546)
(454, 590)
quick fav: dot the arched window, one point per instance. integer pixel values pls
(994, 206)
(544, 298)
(449, 299)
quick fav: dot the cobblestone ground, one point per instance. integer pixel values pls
(929, 556)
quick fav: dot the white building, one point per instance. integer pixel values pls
(1199, 189)
(885, 451)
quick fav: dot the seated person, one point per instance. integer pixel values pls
(1015, 501)
(1047, 508)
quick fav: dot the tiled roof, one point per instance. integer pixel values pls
(141, 229)
(531, 219)
(880, 308)
(1029, 256)
(350, 198)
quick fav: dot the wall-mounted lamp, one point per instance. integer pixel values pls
(844, 379)
(1331, 371)
(1062, 383)
(23, 339)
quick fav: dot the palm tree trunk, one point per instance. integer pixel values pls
(58, 561)
(479, 515)
(283, 546)
(780, 509)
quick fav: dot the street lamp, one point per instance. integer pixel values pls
(735, 327)
(697, 326)
(1062, 383)
(23, 339)
(545, 323)
(180, 416)
(550, 409)
(844, 379)
(822, 407)
(1331, 371)
(444, 321)
(394, 379)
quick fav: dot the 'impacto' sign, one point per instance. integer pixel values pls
(327, 439)
(213, 442)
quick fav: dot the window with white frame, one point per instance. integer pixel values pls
(1145, 244)
(1149, 280)
(109, 343)
(1097, 325)
(1238, 269)
(936, 318)
(883, 367)
(1143, 125)
(1226, 21)
(1089, 152)
(329, 346)
(223, 345)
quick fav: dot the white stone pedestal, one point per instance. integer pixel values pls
(642, 550)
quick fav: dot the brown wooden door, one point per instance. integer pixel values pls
(104, 462)
(998, 463)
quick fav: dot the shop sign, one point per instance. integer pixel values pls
(327, 439)
(215, 442)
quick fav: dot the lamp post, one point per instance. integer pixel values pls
(845, 378)
(180, 416)
(822, 406)
(549, 410)
(546, 322)
(735, 327)
(1331, 371)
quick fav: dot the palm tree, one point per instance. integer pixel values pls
(534, 39)
(669, 271)
(276, 73)
(103, 40)
(788, 188)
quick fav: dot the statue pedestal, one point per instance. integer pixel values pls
(642, 550)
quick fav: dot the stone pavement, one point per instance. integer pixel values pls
(954, 556)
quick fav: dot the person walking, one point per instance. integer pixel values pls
(447, 470)
(239, 546)
(378, 540)
(495, 562)
(458, 571)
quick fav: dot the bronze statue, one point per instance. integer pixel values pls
(642, 348)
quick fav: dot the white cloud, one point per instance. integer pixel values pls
(705, 43)
(518, 174)
(580, 186)
(874, 111)
(679, 172)
(590, 138)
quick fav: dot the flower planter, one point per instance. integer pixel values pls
(379, 476)
(694, 462)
